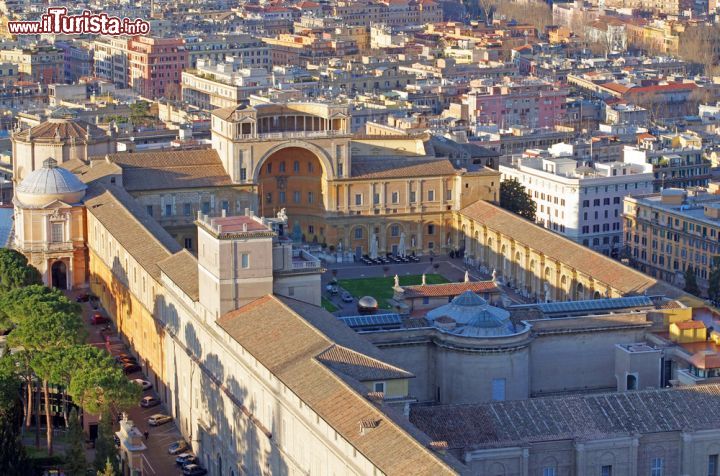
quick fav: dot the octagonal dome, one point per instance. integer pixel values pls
(50, 183)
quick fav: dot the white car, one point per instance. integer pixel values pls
(159, 419)
(143, 383)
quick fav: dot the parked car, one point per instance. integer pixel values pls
(150, 401)
(347, 297)
(143, 383)
(185, 459)
(98, 318)
(159, 419)
(180, 446)
(130, 368)
(194, 470)
(332, 289)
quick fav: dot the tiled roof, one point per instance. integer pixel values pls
(593, 416)
(556, 247)
(64, 129)
(449, 289)
(135, 230)
(706, 360)
(171, 169)
(182, 269)
(289, 346)
(399, 167)
(360, 366)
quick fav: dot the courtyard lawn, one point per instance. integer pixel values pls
(328, 305)
(381, 288)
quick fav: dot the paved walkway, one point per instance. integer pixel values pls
(156, 460)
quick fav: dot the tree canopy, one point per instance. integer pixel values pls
(691, 284)
(514, 198)
(15, 272)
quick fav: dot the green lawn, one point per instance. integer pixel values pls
(328, 305)
(381, 288)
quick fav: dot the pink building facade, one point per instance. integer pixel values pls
(531, 103)
(156, 66)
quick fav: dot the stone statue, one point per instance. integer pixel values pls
(397, 281)
(281, 215)
(467, 276)
(412, 242)
(546, 287)
(423, 279)
(494, 274)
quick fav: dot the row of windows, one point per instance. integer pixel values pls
(282, 168)
(605, 201)
(394, 231)
(657, 467)
(187, 208)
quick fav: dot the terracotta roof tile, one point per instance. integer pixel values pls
(289, 346)
(182, 269)
(449, 289)
(594, 416)
(401, 168)
(556, 247)
(360, 366)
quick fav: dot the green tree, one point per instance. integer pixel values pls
(691, 285)
(97, 383)
(714, 280)
(15, 273)
(13, 461)
(45, 320)
(514, 198)
(108, 470)
(75, 463)
(105, 449)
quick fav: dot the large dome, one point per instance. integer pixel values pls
(48, 184)
(472, 316)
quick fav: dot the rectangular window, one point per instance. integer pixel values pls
(379, 387)
(268, 197)
(606, 470)
(376, 198)
(168, 210)
(225, 205)
(395, 197)
(712, 468)
(498, 389)
(412, 197)
(243, 174)
(431, 229)
(188, 243)
(282, 166)
(296, 166)
(656, 467)
(431, 195)
(187, 209)
(269, 168)
(245, 260)
(281, 196)
(549, 471)
(149, 210)
(358, 199)
(358, 233)
(206, 208)
(395, 230)
(311, 197)
(56, 233)
(296, 197)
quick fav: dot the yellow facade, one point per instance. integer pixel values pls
(687, 332)
(141, 330)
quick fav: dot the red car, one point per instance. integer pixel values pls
(98, 318)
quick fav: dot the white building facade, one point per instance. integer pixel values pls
(583, 203)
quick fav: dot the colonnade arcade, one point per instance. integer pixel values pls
(525, 269)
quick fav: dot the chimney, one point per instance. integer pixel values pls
(223, 213)
(439, 446)
(244, 226)
(367, 424)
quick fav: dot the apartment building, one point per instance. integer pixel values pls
(668, 231)
(389, 12)
(215, 85)
(156, 65)
(110, 60)
(247, 50)
(675, 163)
(530, 102)
(37, 64)
(583, 203)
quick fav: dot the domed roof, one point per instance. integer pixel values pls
(48, 184)
(368, 302)
(473, 316)
(63, 129)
